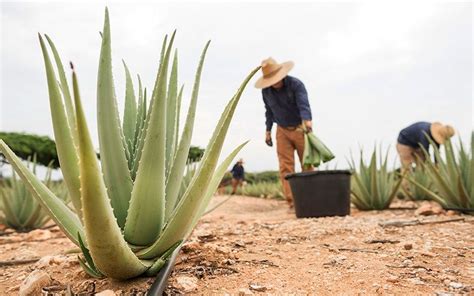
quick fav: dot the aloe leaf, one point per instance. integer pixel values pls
(143, 130)
(63, 134)
(171, 116)
(179, 162)
(112, 153)
(181, 221)
(91, 272)
(110, 252)
(9, 211)
(146, 214)
(65, 89)
(58, 211)
(216, 180)
(130, 113)
(178, 111)
(158, 264)
(88, 258)
(433, 195)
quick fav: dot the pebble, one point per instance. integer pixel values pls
(33, 284)
(106, 293)
(39, 234)
(455, 285)
(392, 279)
(50, 260)
(186, 283)
(408, 246)
(257, 287)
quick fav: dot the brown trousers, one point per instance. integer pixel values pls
(408, 156)
(287, 141)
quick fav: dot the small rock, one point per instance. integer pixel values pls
(190, 247)
(427, 209)
(392, 279)
(443, 294)
(257, 287)
(33, 284)
(416, 281)
(50, 260)
(106, 293)
(186, 283)
(452, 213)
(39, 234)
(245, 292)
(408, 246)
(455, 285)
(428, 254)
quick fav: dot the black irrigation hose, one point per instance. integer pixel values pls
(159, 285)
(459, 210)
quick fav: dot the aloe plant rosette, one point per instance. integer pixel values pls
(130, 214)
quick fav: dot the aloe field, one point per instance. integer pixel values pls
(137, 156)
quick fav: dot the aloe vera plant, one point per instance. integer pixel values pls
(129, 213)
(452, 176)
(373, 186)
(18, 208)
(419, 175)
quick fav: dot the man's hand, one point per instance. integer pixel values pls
(268, 138)
(308, 125)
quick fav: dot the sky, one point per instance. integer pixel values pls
(370, 68)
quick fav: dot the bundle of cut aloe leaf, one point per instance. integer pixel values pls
(315, 152)
(131, 211)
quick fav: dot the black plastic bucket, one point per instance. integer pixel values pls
(321, 193)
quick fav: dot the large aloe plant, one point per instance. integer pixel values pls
(373, 185)
(452, 176)
(129, 209)
(419, 175)
(18, 208)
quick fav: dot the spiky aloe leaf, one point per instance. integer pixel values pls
(112, 153)
(109, 250)
(141, 138)
(130, 114)
(58, 211)
(63, 134)
(65, 89)
(158, 264)
(88, 264)
(171, 116)
(145, 217)
(182, 219)
(179, 162)
(216, 180)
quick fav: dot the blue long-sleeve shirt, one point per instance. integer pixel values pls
(238, 171)
(288, 105)
(415, 135)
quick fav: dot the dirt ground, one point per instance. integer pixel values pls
(256, 246)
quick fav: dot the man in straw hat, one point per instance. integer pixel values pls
(413, 137)
(286, 103)
(238, 175)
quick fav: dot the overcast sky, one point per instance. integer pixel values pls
(370, 69)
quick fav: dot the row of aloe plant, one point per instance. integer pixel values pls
(130, 211)
(19, 209)
(448, 179)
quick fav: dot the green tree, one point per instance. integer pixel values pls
(27, 145)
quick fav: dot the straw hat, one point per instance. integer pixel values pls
(441, 133)
(273, 72)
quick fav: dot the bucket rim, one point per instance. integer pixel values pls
(314, 173)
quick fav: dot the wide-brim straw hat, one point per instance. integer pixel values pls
(273, 72)
(441, 132)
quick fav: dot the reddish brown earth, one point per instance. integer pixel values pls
(256, 246)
